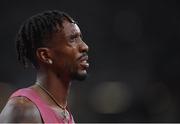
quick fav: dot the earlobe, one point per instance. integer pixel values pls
(50, 61)
(43, 55)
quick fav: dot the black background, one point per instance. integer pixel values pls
(134, 44)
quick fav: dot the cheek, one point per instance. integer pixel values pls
(66, 57)
(66, 60)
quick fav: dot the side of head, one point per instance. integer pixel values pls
(36, 32)
(53, 40)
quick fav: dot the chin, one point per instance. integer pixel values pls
(80, 76)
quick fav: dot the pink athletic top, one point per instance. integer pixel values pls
(47, 114)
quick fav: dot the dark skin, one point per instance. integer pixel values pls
(65, 50)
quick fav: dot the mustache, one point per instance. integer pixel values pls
(83, 55)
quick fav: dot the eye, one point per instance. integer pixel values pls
(74, 38)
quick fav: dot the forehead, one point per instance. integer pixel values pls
(70, 28)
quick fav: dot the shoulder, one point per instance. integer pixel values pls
(20, 109)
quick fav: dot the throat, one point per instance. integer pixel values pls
(57, 97)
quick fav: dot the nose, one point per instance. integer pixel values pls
(84, 47)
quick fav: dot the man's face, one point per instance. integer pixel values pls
(69, 52)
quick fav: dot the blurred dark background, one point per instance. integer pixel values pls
(134, 73)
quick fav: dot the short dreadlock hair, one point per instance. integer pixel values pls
(35, 32)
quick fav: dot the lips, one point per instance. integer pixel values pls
(83, 62)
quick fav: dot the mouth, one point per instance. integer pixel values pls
(84, 62)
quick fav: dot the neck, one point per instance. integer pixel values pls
(57, 86)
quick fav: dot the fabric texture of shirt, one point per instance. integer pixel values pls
(48, 115)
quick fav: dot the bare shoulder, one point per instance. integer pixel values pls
(20, 109)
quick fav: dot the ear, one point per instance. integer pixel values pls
(43, 54)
